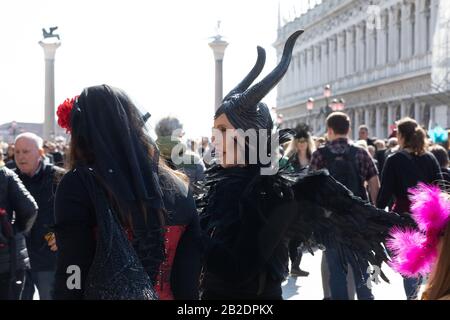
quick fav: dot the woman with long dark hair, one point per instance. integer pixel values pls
(405, 169)
(120, 212)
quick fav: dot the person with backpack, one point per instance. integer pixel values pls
(403, 170)
(353, 167)
(14, 260)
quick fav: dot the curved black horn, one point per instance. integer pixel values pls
(255, 94)
(251, 76)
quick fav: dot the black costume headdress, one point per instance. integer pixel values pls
(302, 131)
(242, 105)
(311, 207)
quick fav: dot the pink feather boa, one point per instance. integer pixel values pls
(415, 251)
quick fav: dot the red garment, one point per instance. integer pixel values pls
(172, 236)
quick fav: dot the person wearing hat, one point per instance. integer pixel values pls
(298, 154)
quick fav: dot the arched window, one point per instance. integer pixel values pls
(428, 24)
(413, 29)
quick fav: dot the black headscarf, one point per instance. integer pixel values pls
(113, 128)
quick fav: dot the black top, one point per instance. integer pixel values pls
(75, 236)
(380, 156)
(403, 171)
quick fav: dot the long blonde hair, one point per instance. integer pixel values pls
(438, 284)
(292, 147)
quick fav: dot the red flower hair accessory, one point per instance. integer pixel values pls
(63, 113)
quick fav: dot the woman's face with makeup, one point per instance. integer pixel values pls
(226, 145)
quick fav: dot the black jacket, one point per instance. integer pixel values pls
(14, 197)
(42, 187)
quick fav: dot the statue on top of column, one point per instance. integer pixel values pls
(49, 34)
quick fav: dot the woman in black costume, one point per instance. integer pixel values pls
(248, 214)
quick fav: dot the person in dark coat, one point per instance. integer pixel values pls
(13, 252)
(41, 180)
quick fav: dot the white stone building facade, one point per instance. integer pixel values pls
(386, 59)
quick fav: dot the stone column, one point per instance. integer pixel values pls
(390, 117)
(294, 67)
(49, 120)
(332, 64)
(309, 67)
(403, 109)
(378, 122)
(434, 18)
(420, 26)
(406, 30)
(356, 122)
(340, 56)
(299, 72)
(316, 64)
(302, 70)
(218, 46)
(370, 48)
(382, 34)
(349, 50)
(359, 48)
(392, 34)
(366, 116)
(418, 112)
(324, 63)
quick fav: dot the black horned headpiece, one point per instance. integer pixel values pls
(242, 105)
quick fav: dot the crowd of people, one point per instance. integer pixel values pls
(185, 227)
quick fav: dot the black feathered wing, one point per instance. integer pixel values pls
(319, 211)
